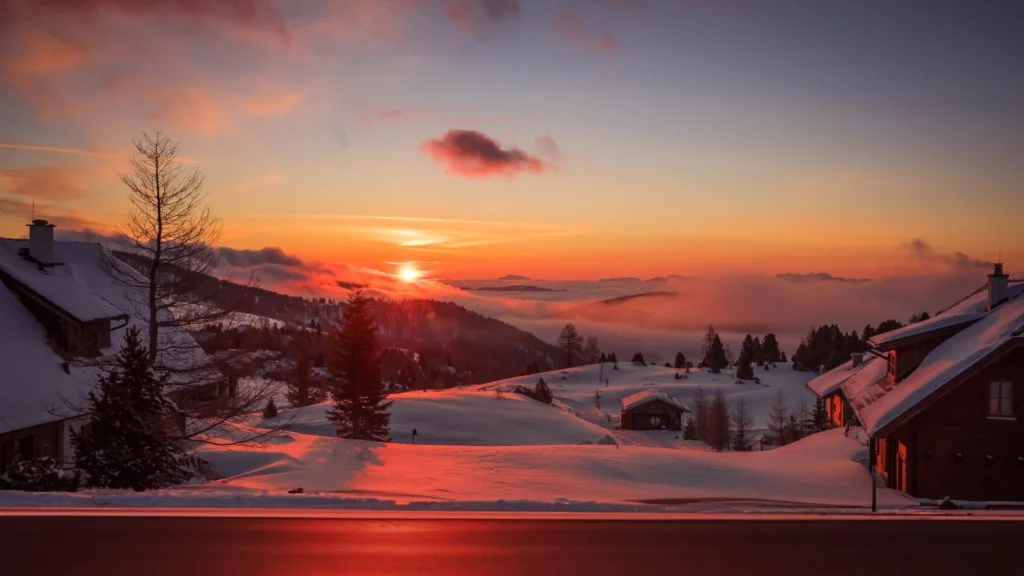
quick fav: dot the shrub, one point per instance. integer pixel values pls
(39, 475)
(270, 410)
(542, 392)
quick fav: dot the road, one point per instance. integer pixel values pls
(313, 547)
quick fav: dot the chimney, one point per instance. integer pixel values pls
(858, 359)
(998, 286)
(40, 242)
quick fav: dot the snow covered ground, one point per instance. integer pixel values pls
(483, 448)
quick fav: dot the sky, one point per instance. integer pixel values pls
(557, 139)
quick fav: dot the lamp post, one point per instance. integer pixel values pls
(414, 435)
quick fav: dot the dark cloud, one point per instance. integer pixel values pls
(276, 273)
(471, 154)
(470, 15)
(249, 258)
(796, 278)
(956, 260)
(349, 285)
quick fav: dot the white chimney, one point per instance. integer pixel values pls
(998, 286)
(40, 241)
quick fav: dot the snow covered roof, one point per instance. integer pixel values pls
(881, 403)
(650, 395)
(967, 311)
(58, 284)
(33, 380)
(832, 380)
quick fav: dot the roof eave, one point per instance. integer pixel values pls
(921, 336)
(966, 374)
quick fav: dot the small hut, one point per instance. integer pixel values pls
(652, 409)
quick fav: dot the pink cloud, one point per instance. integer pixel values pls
(575, 28)
(472, 154)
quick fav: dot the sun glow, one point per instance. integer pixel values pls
(409, 273)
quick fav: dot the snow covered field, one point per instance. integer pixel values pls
(485, 448)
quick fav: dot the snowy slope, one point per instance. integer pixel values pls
(461, 417)
(577, 388)
(821, 469)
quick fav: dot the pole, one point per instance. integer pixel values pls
(871, 470)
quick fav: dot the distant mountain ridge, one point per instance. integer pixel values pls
(514, 288)
(643, 295)
(515, 277)
(804, 278)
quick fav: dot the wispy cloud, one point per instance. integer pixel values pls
(472, 15)
(59, 150)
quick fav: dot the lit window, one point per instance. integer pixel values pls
(1000, 399)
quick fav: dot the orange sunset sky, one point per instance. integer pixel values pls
(549, 138)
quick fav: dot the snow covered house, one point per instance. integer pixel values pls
(59, 310)
(943, 399)
(652, 409)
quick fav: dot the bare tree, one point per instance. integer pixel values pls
(718, 424)
(570, 342)
(700, 414)
(778, 419)
(165, 268)
(741, 425)
(591, 350)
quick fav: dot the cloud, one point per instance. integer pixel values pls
(57, 183)
(20, 212)
(471, 15)
(796, 278)
(247, 13)
(269, 255)
(471, 154)
(276, 105)
(572, 25)
(58, 150)
(547, 148)
(957, 260)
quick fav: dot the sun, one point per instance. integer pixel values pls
(408, 273)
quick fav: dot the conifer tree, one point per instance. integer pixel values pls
(128, 444)
(716, 359)
(361, 409)
(270, 410)
(745, 371)
(680, 361)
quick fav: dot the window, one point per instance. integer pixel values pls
(892, 364)
(1000, 399)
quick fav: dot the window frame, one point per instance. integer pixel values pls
(996, 394)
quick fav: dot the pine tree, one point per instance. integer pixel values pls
(128, 445)
(680, 361)
(716, 359)
(745, 371)
(820, 416)
(542, 391)
(270, 410)
(361, 409)
(770, 349)
(778, 418)
(638, 359)
(741, 425)
(748, 348)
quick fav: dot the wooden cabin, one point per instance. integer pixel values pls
(651, 409)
